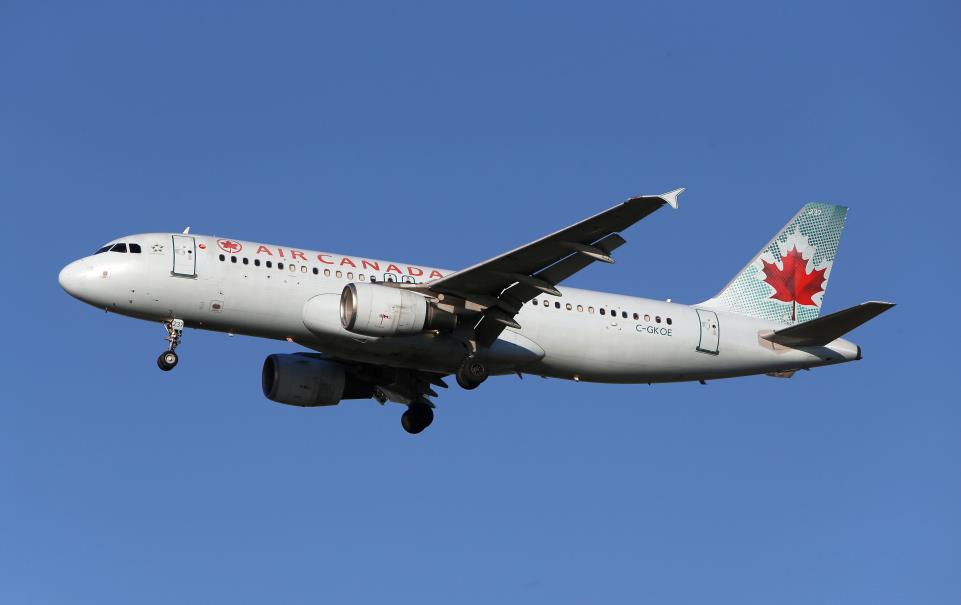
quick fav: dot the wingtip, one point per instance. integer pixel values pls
(671, 197)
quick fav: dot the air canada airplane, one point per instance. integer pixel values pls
(393, 331)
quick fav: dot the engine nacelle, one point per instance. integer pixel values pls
(375, 310)
(306, 381)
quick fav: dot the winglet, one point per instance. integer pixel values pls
(671, 197)
(187, 231)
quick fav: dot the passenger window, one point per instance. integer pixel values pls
(362, 276)
(580, 308)
(246, 260)
(135, 248)
(534, 302)
(636, 317)
(547, 303)
(658, 319)
(303, 269)
(647, 317)
(316, 271)
(280, 266)
(269, 264)
(326, 272)
(119, 248)
(557, 305)
(222, 258)
(256, 262)
(669, 322)
(602, 311)
(339, 274)
(624, 314)
(350, 275)
(373, 278)
(569, 307)
(233, 259)
(590, 310)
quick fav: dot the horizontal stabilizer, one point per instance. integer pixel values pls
(823, 330)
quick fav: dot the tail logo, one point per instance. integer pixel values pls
(794, 278)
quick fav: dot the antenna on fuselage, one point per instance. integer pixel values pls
(187, 231)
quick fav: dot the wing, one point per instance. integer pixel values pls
(500, 286)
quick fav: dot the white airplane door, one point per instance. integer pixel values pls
(185, 256)
(710, 332)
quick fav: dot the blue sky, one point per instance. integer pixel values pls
(444, 134)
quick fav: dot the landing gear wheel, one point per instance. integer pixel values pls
(167, 361)
(417, 418)
(471, 373)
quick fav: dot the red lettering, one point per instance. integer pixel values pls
(415, 271)
(435, 273)
(264, 249)
(295, 254)
(366, 264)
(394, 268)
(281, 252)
(321, 258)
(347, 261)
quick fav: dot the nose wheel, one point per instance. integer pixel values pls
(168, 359)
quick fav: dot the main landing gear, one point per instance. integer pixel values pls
(471, 373)
(168, 359)
(418, 417)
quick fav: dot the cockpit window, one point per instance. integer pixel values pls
(121, 247)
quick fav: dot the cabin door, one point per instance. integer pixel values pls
(185, 256)
(710, 332)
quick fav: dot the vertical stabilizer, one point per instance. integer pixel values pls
(787, 279)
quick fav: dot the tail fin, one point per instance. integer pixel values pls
(787, 279)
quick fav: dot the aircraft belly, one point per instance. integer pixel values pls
(607, 351)
(511, 351)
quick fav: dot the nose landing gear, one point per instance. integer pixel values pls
(168, 359)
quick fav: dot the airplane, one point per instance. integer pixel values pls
(393, 331)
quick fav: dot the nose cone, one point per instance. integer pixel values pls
(71, 279)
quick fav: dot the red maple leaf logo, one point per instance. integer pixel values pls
(791, 282)
(229, 245)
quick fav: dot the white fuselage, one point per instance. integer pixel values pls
(581, 335)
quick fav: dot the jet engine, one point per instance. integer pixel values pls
(376, 310)
(307, 381)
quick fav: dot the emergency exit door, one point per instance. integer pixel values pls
(185, 256)
(710, 332)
